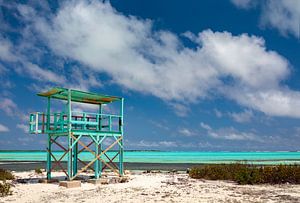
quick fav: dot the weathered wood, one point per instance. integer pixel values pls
(111, 161)
(58, 163)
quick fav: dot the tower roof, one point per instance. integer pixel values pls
(79, 96)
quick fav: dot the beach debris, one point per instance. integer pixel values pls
(124, 179)
(102, 181)
(188, 170)
(70, 184)
(173, 171)
(44, 180)
(147, 171)
(109, 180)
(127, 172)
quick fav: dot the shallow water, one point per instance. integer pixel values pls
(169, 157)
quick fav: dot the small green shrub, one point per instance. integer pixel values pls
(5, 189)
(248, 174)
(38, 170)
(6, 175)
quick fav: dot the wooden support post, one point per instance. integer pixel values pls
(100, 138)
(49, 157)
(49, 148)
(97, 161)
(75, 158)
(121, 148)
(100, 151)
(48, 114)
(69, 135)
(121, 171)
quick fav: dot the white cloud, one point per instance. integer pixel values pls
(41, 74)
(3, 128)
(276, 102)
(160, 124)
(154, 144)
(180, 109)
(244, 3)
(23, 127)
(242, 117)
(156, 62)
(283, 15)
(218, 113)
(229, 134)
(205, 126)
(186, 132)
(8, 106)
(6, 52)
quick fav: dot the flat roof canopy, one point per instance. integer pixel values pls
(79, 96)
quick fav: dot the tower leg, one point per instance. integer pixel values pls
(97, 161)
(49, 158)
(121, 170)
(70, 157)
(75, 159)
(100, 162)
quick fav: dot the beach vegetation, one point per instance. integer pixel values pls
(5, 189)
(248, 174)
(5, 186)
(6, 175)
(38, 170)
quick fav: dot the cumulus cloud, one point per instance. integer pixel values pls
(229, 133)
(156, 62)
(154, 144)
(244, 3)
(23, 127)
(218, 113)
(8, 106)
(242, 117)
(163, 144)
(282, 15)
(6, 50)
(41, 74)
(3, 128)
(186, 132)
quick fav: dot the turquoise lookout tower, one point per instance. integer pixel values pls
(74, 132)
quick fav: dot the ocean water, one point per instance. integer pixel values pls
(169, 157)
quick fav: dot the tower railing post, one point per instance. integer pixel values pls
(49, 143)
(98, 164)
(70, 153)
(121, 148)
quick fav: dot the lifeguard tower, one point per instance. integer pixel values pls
(70, 131)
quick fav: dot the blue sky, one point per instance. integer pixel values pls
(196, 75)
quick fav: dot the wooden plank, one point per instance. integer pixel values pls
(111, 161)
(58, 163)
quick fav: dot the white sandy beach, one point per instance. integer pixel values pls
(150, 187)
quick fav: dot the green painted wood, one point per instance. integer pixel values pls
(96, 126)
(69, 135)
(49, 149)
(79, 96)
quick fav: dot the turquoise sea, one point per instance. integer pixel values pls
(170, 157)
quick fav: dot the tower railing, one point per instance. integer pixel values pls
(57, 122)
